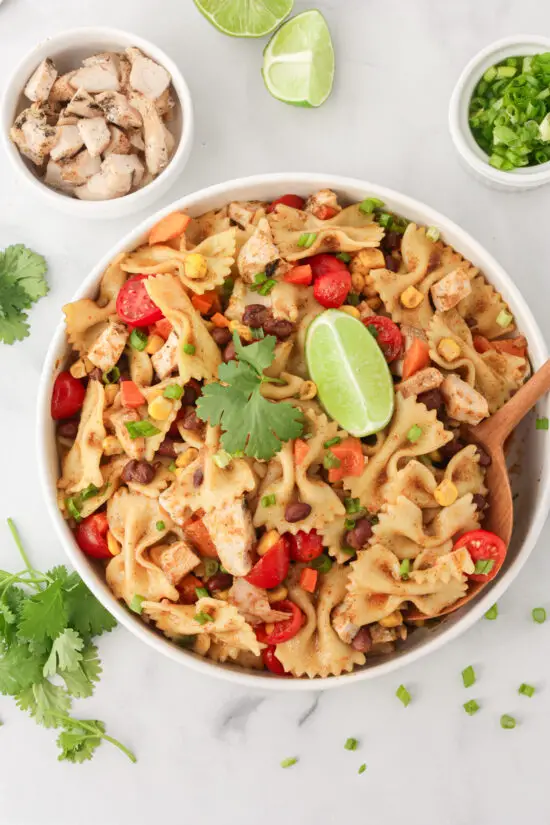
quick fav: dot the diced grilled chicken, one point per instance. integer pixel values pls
(136, 141)
(68, 142)
(109, 346)
(103, 58)
(79, 169)
(40, 83)
(165, 104)
(241, 213)
(119, 144)
(54, 178)
(62, 91)
(133, 447)
(165, 360)
(170, 140)
(230, 528)
(96, 77)
(124, 69)
(146, 76)
(258, 252)
(422, 381)
(95, 134)
(66, 118)
(157, 153)
(83, 105)
(49, 110)
(463, 402)
(175, 560)
(33, 136)
(112, 181)
(126, 163)
(451, 289)
(118, 110)
(317, 203)
(382, 635)
(343, 625)
(253, 604)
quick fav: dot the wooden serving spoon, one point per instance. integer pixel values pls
(491, 434)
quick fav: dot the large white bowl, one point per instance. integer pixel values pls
(534, 494)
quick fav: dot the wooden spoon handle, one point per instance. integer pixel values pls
(498, 427)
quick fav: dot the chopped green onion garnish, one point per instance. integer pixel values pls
(185, 641)
(506, 71)
(526, 690)
(432, 233)
(73, 509)
(322, 563)
(351, 744)
(542, 423)
(223, 570)
(330, 461)
(403, 695)
(139, 429)
(507, 722)
(257, 333)
(306, 239)
(172, 466)
(352, 506)
(344, 256)
(202, 593)
(90, 491)
(203, 618)
(490, 74)
(174, 391)
(539, 615)
(471, 707)
(484, 566)
(269, 501)
(349, 551)
(492, 613)
(362, 768)
(288, 763)
(331, 442)
(260, 278)
(353, 299)
(468, 676)
(504, 318)
(349, 523)
(160, 525)
(211, 567)
(405, 569)
(385, 220)
(189, 349)
(373, 331)
(222, 459)
(414, 434)
(266, 288)
(370, 204)
(138, 339)
(112, 376)
(135, 604)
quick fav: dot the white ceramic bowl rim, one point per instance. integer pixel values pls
(271, 186)
(462, 136)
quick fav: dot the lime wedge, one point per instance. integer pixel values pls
(245, 18)
(299, 61)
(353, 380)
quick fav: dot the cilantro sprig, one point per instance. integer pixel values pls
(47, 656)
(22, 282)
(251, 424)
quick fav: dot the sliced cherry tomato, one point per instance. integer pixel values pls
(323, 263)
(332, 288)
(325, 213)
(91, 536)
(388, 335)
(483, 546)
(272, 663)
(67, 396)
(133, 304)
(285, 629)
(289, 200)
(301, 275)
(305, 546)
(271, 569)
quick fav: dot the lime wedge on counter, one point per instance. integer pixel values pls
(353, 380)
(245, 18)
(299, 61)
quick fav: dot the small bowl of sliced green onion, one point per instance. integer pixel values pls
(499, 114)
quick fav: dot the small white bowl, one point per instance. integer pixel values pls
(67, 50)
(517, 180)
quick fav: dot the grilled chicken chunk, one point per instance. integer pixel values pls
(231, 530)
(146, 76)
(41, 81)
(95, 134)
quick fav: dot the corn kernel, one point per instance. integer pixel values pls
(411, 297)
(374, 303)
(435, 456)
(267, 541)
(111, 391)
(160, 408)
(393, 620)
(308, 390)
(357, 282)
(446, 493)
(154, 343)
(269, 628)
(223, 595)
(196, 266)
(112, 544)
(187, 458)
(278, 594)
(448, 349)
(112, 446)
(353, 311)
(241, 330)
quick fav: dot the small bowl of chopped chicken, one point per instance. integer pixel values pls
(98, 121)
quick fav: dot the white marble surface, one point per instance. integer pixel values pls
(209, 752)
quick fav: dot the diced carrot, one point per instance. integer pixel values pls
(308, 579)
(219, 320)
(187, 589)
(481, 344)
(168, 228)
(162, 328)
(352, 462)
(131, 395)
(325, 213)
(301, 275)
(511, 346)
(417, 357)
(199, 536)
(300, 450)
(206, 303)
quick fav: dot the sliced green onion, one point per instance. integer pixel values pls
(111, 376)
(349, 551)
(174, 391)
(331, 442)
(432, 233)
(353, 506)
(484, 566)
(414, 434)
(289, 762)
(351, 744)
(136, 604)
(306, 239)
(539, 615)
(141, 429)
(90, 491)
(490, 74)
(260, 278)
(269, 501)
(362, 768)
(160, 525)
(471, 707)
(373, 331)
(369, 205)
(330, 461)
(353, 299)
(541, 423)
(492, 613)
(506, 71)
(257, 333)
(322, 563)
(504, 318)
(544, 126)
(266, 288)
(189, 349)
(526, 690)
(405, 569)
(344, 256)
(223, 569)
(222, 459)
(385, 220)
(73, 509)
(507, 722)
(202, 593)
(211, 567)
(172, 466)
(468, 676)
(185, 641)
(203, 618)
(403, 695)
(138, 339)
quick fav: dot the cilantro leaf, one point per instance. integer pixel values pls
(85, 614)
(65, 653)
(19, 668)
(10, 608)
(44, 615)
(13, 321)
(45, 702)
(25, 268)
(259, 355)
(77, 744)
(79, 682)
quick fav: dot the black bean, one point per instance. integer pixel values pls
(392, 241)
(392, 263)
(449, 450)
(190, 421)
(480, 502)
(189, 396)
(432, 399)
(472, 322)
(297, 511)
(255, 315)
(359, 535)
(198, 477)
(221, 335)
(271, 268)
(68, 429)
(140, 471)
(278, 327)
(167, 448)
(229, 352)
(220, 581)
(485, 459)
(362, 640)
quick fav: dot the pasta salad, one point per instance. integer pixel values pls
(199, 463)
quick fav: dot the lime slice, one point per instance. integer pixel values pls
(353, 380)
(245, 18)
(299, 61)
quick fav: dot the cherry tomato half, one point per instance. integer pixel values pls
(323, 263)
(272, 663)
(289, 200)
(91, 536)
(133, 304)
(388, 335)
(67, 396)
(483, 545)
(332, 289)
(285, 629)
(305, 546)
(271, 569)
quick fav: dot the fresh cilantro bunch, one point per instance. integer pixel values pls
(22, 283)
(47, 656)
(252, 425)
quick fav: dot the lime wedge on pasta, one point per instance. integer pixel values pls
(299, 61)
(353, 381)
(245, 18)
